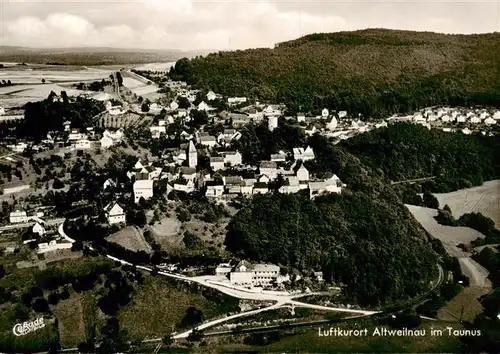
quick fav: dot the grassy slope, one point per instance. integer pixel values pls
(344, 62)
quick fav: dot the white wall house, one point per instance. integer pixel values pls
(236, 100)
(214, 191)
(232, 157)
(325, 113)
(303, 154)
(272, 122)
(211, 96)
(269, 169)
(114, 213)
(83, 144)
(143, 189)
(106, 142)
(208, 141)
(303, 174)
(18, 216)
(217, 163)
(247, 274)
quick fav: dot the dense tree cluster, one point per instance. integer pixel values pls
(409, 151)
(364, 243)
(414, 70)
(44, 116)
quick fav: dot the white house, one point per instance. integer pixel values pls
(53, 246)
(331, 185)
(302, 173)
(208, 141)
(475, 119)
(254, 275)
(291, 185)
(280, 157)
(157, 130)
(18, 216)
(203, 106)
(303, 154)
(38, 229)
(269, 169)
(461, 119)
(174, 105)
(325, 113)
(301, 117)
(214, 191)
(247, 186)
(106, 142)
(76, 135)
(108, 184)
(143, 189)
(211, 96)
(114, 213)
(311, 131)
(217, 163)
(490, 121)
(187, 186)
(223, 269)
(83, 144)
(332, 125)
(342, 114)
(496, 115)
(232, 157)
(189, 173)
(236, 100)
(272, 122)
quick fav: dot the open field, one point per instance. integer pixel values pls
(18, 95)
(53, 74)
(138, 87)
(71, 324)
(465, 306)
(166, 233)
(450, 236)
(484, 199)
(131, 238)
(155, 66)
(158, 307)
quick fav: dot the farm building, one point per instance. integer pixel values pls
(143, 189)
(18, 216)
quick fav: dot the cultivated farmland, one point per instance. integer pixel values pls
(125, 120)
(450, 236)
(484, 199)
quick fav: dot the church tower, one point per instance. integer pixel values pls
(192, 155)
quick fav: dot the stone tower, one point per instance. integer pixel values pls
(192, 155)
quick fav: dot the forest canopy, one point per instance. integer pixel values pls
(336, 70)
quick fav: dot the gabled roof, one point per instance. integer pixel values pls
(267, 164)
(233, 180)
(113, 209)
(207, 138)
(188, 170)
(216, 159)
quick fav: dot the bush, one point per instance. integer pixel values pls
(430, 201)
(57, 184)
(183, 215)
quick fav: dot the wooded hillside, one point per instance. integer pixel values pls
(374, 72)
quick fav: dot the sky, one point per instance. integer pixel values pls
(225, 24)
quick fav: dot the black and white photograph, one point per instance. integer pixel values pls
(249, 176)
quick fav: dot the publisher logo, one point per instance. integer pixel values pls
(24, 328)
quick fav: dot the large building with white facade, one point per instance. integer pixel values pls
(143, 189)
(247, 274)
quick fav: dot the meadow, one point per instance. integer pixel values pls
(484, 199)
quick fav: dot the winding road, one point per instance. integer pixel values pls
(283, 299)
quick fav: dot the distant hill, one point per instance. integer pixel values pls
(91, 56)
(373, 72)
